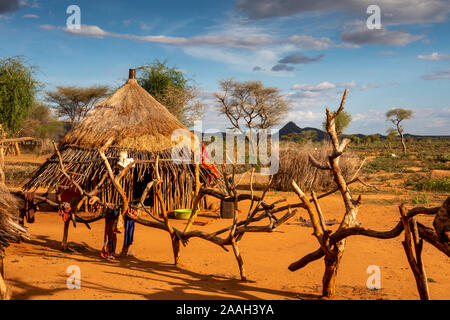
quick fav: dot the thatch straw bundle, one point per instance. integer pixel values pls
(294, 164)
(10, 230)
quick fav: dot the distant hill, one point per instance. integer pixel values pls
(291, 127)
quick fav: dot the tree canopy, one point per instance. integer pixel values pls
(41, 124)
(73, 103)
(341, 122)
(170, 87)
(250, 104)
(18, 87)
(397, 115)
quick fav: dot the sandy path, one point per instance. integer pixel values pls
(37, 269)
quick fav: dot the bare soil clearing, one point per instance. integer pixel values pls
(37, 268)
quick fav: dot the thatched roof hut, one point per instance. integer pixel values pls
(139, 125)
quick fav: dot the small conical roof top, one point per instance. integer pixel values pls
(132, 117)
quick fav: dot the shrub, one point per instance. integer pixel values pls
(425, 183)
(294, 164)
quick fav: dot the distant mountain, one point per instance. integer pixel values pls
(291, 127)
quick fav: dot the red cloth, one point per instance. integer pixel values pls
(110, 238)
(211, 167)
(69, 194)
(65, 213)
(30, 207)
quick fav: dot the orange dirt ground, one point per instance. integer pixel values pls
(37, 268)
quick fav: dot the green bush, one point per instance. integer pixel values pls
(425, 183)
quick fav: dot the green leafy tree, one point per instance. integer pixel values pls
(355, 139)
(294, 137)
(42, 125)
(309, 135)
(396, 116)
(73, 103)
(18, 87)
(170, 87)
(341, 122)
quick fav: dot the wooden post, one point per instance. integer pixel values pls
(197, 180)
(16, 147)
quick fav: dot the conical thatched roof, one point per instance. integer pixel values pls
(132, 116)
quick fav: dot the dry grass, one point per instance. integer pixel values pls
(9, 229)
(294, 164)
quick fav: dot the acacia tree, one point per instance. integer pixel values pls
(250, 104)
(73, 103)
(17, 92)
(396, 116)
(170, 87)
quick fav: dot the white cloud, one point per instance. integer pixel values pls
(87, 31)
(305, 96)
(255, 42)
(144, 26)
(371, 85)
(26, 3)
(434, 56)
(437, 75)
(324, 86)
(389, 53)
(47, 27)
(393, 12)
(30, 16)
(381, 36)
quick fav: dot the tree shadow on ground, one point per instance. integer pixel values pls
(176, 282)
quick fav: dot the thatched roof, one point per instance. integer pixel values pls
(132, 116)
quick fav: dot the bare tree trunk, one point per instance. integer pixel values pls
(239, 259)
(332, 262)
(403, 143)
(413, 248)
(402, 138)
(176, 249)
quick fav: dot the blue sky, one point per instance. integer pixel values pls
(312, 50)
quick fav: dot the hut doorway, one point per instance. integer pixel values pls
(139, 186)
